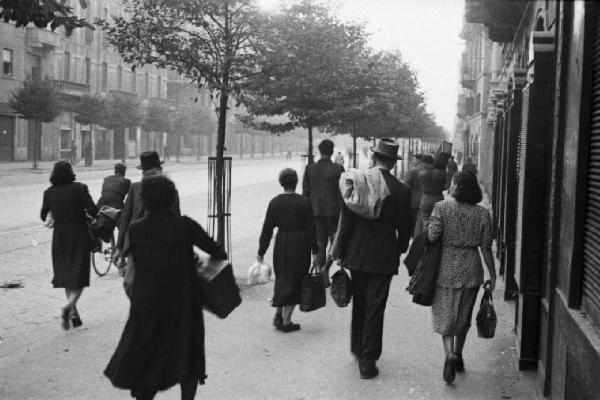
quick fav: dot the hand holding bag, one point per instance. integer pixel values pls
(486, 316)
(220, 293)
(341, 288)
(313, 291)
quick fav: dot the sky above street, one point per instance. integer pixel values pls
(426, 34)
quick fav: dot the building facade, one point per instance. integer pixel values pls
(83, 63)
(545, 190)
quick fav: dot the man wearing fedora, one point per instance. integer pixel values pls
(320, 185)
(133, 209)
(371, 249)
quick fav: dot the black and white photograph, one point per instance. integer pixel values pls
(300, 199)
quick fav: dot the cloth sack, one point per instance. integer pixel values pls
(363, 191)
(486, 316)
(49, 222)
(104, 225)
(259, 273)
(423, 281)
(313, 292)
(341, 288)
(220, 292)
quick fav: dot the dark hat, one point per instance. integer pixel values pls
(149, 160)
(387, 148)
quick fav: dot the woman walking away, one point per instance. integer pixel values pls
(68, 201)
(163, 340)
(463, 227)
(433, 184)
(291, 213)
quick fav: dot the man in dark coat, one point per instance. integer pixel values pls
(115, 188)
(321, 185)
(371, 249)
(413, 182)
(133, 208)
(470, 166)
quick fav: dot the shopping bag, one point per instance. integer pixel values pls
(341, 288)
(486, 316)
(313, 292)
(259, 273)
(220, 292)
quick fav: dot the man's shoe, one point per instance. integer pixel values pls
(368, 369)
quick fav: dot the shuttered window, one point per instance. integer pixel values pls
(591, 242)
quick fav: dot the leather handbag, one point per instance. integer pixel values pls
(486, 316)
(220, 292)
(341, 288)
(313, 291)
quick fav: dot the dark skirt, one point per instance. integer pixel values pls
(291, 261)
(71, 255)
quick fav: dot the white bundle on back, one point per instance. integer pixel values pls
(363, 191)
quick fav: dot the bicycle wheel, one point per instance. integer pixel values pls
(102, 259)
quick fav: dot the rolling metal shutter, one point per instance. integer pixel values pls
(591, 241)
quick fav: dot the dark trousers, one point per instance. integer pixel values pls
(370, 293)
(325, 227)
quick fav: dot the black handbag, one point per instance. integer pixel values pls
(423, 281)
(312, 296)
(486, 316)
(341, 288)
(220, 292)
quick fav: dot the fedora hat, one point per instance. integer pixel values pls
(387, 148)
(149, 160)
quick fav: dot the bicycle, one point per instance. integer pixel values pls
(102, 259)
(103, 228)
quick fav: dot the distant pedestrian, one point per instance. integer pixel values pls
(133, 209)
(88, 153)
(339, 158)
(69, 201)
(451, 169)
(163, 340)
(463, 227)
(165, 148)
(115, 188)
(321, 186)
(73, 153)
(371, 249)
(413, 181)
(469, 166)
(433, 184)
(291, 214)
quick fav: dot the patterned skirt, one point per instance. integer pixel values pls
(452, 309)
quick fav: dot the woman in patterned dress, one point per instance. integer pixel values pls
(463, 227)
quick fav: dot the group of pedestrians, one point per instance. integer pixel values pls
(322, 223)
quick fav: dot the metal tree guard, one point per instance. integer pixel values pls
(212, 200)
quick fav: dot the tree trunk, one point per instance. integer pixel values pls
(241, 145)
(311, 158)
(35, 144)
(354, 146)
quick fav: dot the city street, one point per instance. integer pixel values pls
(246, 357)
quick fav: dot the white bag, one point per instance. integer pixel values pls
(259, 273)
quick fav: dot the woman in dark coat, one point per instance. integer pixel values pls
(68, 201)
(433, 184)
(291, 213)
(163, 340)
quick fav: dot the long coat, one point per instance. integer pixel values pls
(163, 340)
(374, 245)
(114, 190)
(70, 239)
(134, 210)
(321, 185)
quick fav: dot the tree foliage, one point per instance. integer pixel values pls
(38, 99)
(42, 13)
(90, 110)
(122, 111)
(157, 117)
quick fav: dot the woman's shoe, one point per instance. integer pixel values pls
(450, 369)
(291, 327)
(75, 319)
(65, 318)
(459, 365)
(278, 320)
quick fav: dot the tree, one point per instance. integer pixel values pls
(122, 111)
(42, 13)
(310, 53)
(37, 100)
(211, 42)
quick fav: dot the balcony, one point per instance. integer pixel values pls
(129, 95)
(41, 38)
(467, 81)
(461, 107)
(71, 88)
(501, 17)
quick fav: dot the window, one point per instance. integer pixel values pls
(67, 70)
(104, 76)
(7, 62)
(119, 77)
(89, 32)
(88, 70)
(133, 82)
(105, 18)
(159, 87)
(36, 66)
(146, 85)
